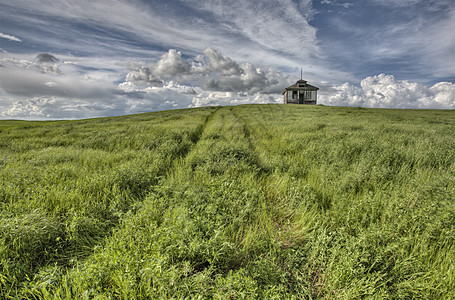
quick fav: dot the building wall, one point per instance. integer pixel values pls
(289, 99)
(288, 96)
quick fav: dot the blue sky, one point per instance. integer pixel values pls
(78, 59)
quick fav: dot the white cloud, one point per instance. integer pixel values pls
(409, 3)
(264, 29)
(171, 64)
(344, 4)
(217, 62)
(229, 98)
(44, 78)
(34, 108)
(142, 76)
(206, 79)
(280, 25)
(30, 91)
(170, 96)
(174, 95)
(384, 91)
(439, 44)
(422, 45)
(39, 108)
(211, 70)
(48, 87)
(10, 37)
(443, 94)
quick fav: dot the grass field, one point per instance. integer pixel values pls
(245, 202)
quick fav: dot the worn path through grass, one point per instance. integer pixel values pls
(66, 185)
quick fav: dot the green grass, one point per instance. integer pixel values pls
(245, 202)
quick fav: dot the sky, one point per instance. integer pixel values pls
(72, 59)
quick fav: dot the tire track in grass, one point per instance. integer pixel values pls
(185, 221)
(280, 211)
(205, 229)
(74, 236)
(225, 142)
(178, 154)
(252, 136)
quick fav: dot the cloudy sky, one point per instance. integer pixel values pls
(72, 59)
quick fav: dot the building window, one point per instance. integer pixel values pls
(294, 94)
(307, 95)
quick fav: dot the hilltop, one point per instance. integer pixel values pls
(251, 201)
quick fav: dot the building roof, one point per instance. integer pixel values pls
(301, 85)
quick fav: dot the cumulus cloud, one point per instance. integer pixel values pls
(211, 70)
(36, 107)
(171, 64)
(385, 91)
(142, 76)
(209, 78)
(217, 62)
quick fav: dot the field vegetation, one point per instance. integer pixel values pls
(244, 202)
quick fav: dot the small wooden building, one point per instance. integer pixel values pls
(301, 93)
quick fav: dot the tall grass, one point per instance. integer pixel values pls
(255, 201)
(65, 185)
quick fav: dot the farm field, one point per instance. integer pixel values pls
(244, 202)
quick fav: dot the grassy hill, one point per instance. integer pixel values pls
(245, 202)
